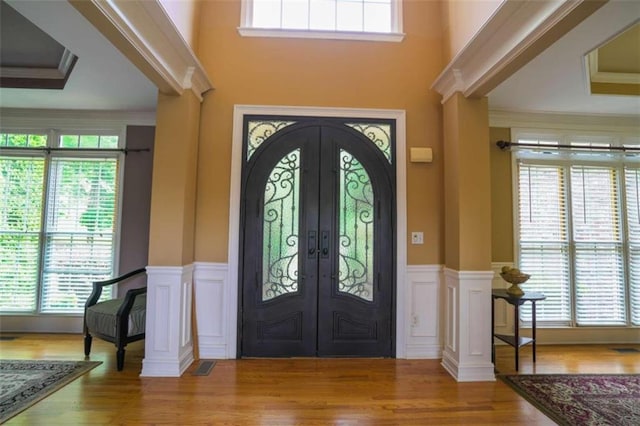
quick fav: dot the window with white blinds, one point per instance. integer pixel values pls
(21, 191)
(578, 222)
(544, 242)
(597, 238)
(58, 216)
(632, 185)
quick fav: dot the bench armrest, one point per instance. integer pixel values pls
(99, 285)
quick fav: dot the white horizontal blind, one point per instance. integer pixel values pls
(79, 230)
(544, 244)
(21, 193)
(632, 186)
(597, 233)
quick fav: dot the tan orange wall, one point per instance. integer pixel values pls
(184, 14)
(615, 89)
(475, 184)
(467, 184)
(325, 73)
(501, 198)
(173, 192)
(462, 20)
(451, 185)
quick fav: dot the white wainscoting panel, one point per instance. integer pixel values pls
(168, 342)
(451, 316)
(211, 288)
(424, 311)
(467, 353)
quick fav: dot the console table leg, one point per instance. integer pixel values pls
(493, 343)
(533, 328)
(516, 323)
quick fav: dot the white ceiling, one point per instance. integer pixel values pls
(103, 79)
(556, 80)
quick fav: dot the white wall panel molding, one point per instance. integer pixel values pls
(424, 312)
(213, 312)
(516, 33)
(467, 349)
(168, 341)
(144, 33)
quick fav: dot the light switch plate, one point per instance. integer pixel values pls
(417, 238)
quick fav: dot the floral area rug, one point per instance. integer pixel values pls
(583, 399)
(25, 382)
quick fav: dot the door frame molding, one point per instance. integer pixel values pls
(399, 116)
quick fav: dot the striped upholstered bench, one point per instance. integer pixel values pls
(119, 321)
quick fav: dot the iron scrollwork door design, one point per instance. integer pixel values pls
(317, 243)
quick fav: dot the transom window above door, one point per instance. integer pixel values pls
(378, 20)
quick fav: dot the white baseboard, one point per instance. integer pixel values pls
(468, 372)
(417, 351)
(167, 367)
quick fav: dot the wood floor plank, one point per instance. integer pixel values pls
(296, 391)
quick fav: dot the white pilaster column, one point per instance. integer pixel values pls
(168, 341)
(468, 335)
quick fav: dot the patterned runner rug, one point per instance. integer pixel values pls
(25, 382)
(584, 399)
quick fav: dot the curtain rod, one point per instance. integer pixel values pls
(48, 150)
(504, 145)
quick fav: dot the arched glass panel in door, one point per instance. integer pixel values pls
(280, 228)
(356, 214)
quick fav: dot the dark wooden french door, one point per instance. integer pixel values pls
(317, 247)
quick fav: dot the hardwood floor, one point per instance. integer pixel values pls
(296, 391)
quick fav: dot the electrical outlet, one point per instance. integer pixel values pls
(414, 320)
(417, 238)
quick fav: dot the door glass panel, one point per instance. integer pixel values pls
(379, 134)
(259, 130)
(355, 270)
(280, 228)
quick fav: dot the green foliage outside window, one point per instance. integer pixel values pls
(75, 242)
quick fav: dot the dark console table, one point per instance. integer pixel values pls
(516, 340)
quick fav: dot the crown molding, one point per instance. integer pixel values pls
(558, 121)
(31, 117)
(147, 36)
(516, 33)
(596, 76)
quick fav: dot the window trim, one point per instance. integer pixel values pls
(246, 28)
(565, 160)
(79, 126)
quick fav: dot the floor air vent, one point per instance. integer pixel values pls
(204, 368)
(625, 350)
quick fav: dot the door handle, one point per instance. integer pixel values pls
(311, 243)
(324, 244)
